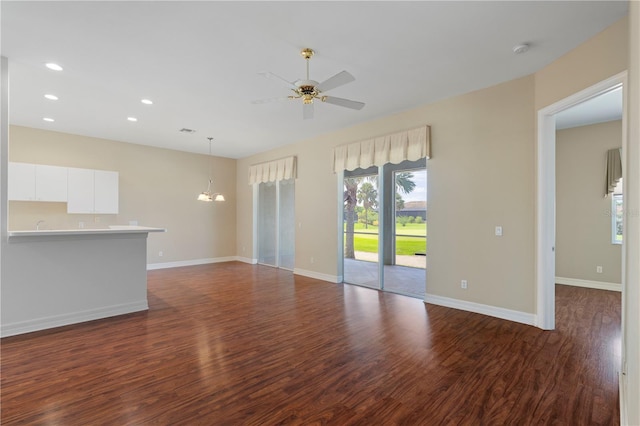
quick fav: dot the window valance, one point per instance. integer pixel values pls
(410, 145)
(614, 170)
(271, 171)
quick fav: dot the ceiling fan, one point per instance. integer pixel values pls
(308, 90)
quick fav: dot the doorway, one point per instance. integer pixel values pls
(546, 195)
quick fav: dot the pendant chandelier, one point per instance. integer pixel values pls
(207, 195)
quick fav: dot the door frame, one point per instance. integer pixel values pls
(546, 193)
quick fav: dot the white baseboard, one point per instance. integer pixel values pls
(247, 260)
(317, 275)
(600, 285)
(622, 383)
(29, 326)
(478, 308)
(193, 262)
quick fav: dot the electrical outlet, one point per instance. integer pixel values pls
(80, 225)
(599, 269)
(160, 254)
(312, 260)
(463, 284)
(498, 231)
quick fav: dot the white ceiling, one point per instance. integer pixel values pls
(604, 107)
(199, 62)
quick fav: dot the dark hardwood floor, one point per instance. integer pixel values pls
(235, 344)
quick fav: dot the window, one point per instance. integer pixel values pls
(616, 214)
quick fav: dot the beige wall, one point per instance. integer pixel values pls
(583, 221)
(595, 60)
(158, 187)
(480, 176)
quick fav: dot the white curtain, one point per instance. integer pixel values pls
(410, 145)
(272, 171)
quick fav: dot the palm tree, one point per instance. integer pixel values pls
(399, 201)
(368, 196)
(404, 182)
(350, 201)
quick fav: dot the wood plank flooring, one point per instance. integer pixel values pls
(236, 344)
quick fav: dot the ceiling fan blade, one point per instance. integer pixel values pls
(307, 111)
(269, 100)
(343, 102)
(274, 77)
(337, 80)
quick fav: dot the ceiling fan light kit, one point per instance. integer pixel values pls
(308, 89)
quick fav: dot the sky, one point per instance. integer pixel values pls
(420, 191)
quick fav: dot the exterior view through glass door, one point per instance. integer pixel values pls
(361, 228)
(385, 224)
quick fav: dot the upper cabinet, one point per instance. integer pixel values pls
(92, 191)
(84, 190)
(37, 182)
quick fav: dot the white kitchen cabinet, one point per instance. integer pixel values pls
(21, 182)
(51, 183)
(92, 191)
(105, 186)
(37, 182)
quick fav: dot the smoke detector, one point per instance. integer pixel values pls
(520, 48)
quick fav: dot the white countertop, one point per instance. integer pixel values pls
(112, 229)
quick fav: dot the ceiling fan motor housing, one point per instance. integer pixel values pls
(307, 90)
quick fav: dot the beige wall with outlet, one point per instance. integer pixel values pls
(583, 214)
(158, 187)
(480, 176)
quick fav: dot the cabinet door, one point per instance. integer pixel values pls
(105, 192)
(79, 191)
(51, 183)
(22, 182)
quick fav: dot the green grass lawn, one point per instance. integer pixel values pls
(404, 245)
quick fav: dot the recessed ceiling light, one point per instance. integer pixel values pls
(146, 102)
(50, 120)
(132, 119)
(51, 97)
(53, 66)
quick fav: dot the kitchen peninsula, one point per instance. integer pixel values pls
(74, 275)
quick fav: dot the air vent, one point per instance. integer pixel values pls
(185, 130)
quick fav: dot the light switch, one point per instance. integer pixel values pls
(498, 231)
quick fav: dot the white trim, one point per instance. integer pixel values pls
(340, 224)
(478, 308)
(545, 193)
(622, 385)
(599, 285)
(247, 260)
(72, 318)
(193, 262)
(317, 275)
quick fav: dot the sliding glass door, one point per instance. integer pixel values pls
(384, 227)
(361, 225)
(276, 223)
